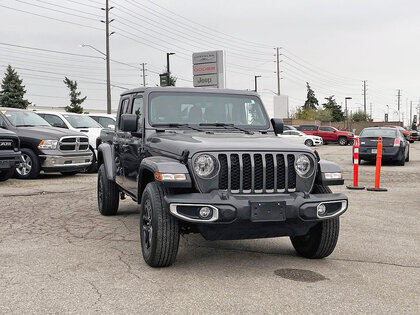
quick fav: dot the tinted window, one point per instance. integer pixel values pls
(326, 129)
(137, 109)
(123, 109)
(385, 133)
(54, 120)
(308, 128)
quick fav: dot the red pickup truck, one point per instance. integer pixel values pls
(328, 134)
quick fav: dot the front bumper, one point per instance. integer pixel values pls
(9, 160)
(318, 141)
(68, 162)
(255, 216)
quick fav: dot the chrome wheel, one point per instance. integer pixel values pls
(25, 165)
(147, 225)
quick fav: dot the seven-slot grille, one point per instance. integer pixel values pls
(74, 144)
(8, 145)
(257, 172)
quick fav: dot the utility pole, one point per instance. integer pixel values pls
(364, 96)
(399, 100)
(144, 74)
(411, 113)
(278, 70)
(108, 67)
(371, 111)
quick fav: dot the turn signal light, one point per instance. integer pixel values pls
(163, 177)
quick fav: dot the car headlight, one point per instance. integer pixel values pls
(48, 144)
(206, 166)
(304, 166)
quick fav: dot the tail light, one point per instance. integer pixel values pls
(396, 142)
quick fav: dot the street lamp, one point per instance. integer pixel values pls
(108, 77)
(255, 82)
(345, 102)
(167, 61)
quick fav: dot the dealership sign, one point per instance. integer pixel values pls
(208, 70)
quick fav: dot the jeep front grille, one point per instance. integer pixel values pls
(257, 172)
(74, 144)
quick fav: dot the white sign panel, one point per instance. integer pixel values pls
(205, 68)
(208, 69)
(205, 80)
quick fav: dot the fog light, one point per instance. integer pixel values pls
(321, 209)
(205, 212)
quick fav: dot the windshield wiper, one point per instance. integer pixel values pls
(82, 127)
(226, 126)
(25, 125)
(177, 125)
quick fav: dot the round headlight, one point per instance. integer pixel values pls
(205, 166)
(303, 166)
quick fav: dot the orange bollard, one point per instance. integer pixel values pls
(355, 185)
(378, 167)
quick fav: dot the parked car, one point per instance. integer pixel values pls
(410, 135)
(328, 134)
(76, 122)
(300, 137)
(105, 120)
(44, 147)
(288, 127)
(208, 161)
(9, 152)
(395, 146)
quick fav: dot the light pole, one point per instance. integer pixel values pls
(345, 102)
(108, 77)
(255, 82)
(167, 61)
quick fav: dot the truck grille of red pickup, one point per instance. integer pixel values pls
(257, 172)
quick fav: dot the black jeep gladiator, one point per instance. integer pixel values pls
(44, 147)
(9, 153)
(208, 161)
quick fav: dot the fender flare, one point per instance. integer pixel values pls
(106, 156)
(325, 166)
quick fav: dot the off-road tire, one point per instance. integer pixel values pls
(309, 143)
(161, 250)
(322, 238)
(342, 141)
(35, 164)
(6, 174)
(107, 193)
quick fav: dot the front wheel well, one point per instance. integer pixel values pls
(147, 176)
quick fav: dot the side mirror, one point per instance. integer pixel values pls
(128, 122)
(277, 124)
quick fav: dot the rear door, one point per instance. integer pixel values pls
(133, 147)
(119, 142)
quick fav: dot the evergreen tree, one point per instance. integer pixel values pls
(336, 112)
(12, 90)
(172, 80)
(75, 100)
(311, 100)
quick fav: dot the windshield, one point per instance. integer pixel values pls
(374, 133)
(206, 108)
(80, 121)
(20, 118)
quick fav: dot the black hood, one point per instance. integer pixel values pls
(4, 133)
(45, 132)
(177, 142)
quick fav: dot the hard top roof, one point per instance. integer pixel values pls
(191, 90)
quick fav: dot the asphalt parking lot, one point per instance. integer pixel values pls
(59, 255)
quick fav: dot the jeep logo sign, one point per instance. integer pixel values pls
(208, 69)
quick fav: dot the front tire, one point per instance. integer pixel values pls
(108, 194)
(322, 238)
(29, 166)
(309, 143)
(342, 141)
(159, 230)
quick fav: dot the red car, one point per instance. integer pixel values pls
(410, 135)
(328, 134)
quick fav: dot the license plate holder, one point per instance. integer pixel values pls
(374, 151)
(268, 211)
